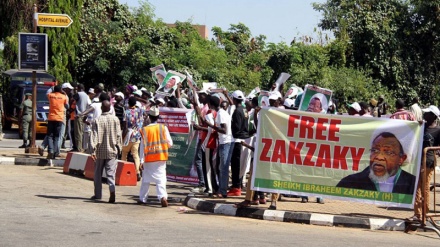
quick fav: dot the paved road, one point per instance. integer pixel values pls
(43, 207)
(12, 141)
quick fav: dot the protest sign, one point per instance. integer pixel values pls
(180, 158)
(208, 86)
(371, 160)
(281, 80)
(293, 91)
(315, 99)
(169, 84)
(191, 83)
(158, 73)
(263, 98)
(253, 93)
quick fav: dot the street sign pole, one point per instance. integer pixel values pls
(33, 148)
(34, 63)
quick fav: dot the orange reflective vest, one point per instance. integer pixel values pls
(155, 143)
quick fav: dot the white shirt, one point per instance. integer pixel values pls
(224, 118)
(416, 111)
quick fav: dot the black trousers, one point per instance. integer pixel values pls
(235, 166)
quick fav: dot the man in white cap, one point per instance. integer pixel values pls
(289, 104)
(155, 142)
(91, 93)
(431, 138)
(239, 128)
(160, 102)
(275, 99)
(354, 109)
(138, 93)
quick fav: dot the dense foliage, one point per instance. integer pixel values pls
(396, 41)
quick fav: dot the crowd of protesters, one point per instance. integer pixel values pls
(111, 124)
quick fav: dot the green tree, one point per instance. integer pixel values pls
(16, 17)
(63, 41)
(107, 30)
(395, 41)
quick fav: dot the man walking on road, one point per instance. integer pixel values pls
(26, 120)
(105, 143)
(156, 141)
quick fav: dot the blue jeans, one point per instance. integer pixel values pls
(45, 142)
(225, 153)
(60, 138)
(53, 133)
(198, 160)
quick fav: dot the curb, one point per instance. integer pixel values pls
(295, 217)
(31, 162)
(7, 161)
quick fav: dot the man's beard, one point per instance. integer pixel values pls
(378, 179)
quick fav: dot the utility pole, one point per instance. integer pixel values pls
(33, 148)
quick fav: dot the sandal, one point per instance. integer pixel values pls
(219, 196)
(272, 207)
(255, 202)
(243, 204)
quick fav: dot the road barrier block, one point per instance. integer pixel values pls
(89, 170)
(67, 163)
(75, 163)
(126, 174)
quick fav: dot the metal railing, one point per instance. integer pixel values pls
(428, 221)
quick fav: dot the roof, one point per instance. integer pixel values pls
(27, 75)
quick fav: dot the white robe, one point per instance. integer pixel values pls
(154, 172)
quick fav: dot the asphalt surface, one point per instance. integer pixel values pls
(328, 214)
(43, 207)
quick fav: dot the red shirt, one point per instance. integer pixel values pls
(212, 141)
(203, 134)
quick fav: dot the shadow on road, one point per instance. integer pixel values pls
(64, 197)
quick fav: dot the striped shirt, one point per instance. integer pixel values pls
(106, 135)
(120, 111)
(403, 114)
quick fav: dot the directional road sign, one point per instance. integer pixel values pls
(53, 20)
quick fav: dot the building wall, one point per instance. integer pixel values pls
(201, 29)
